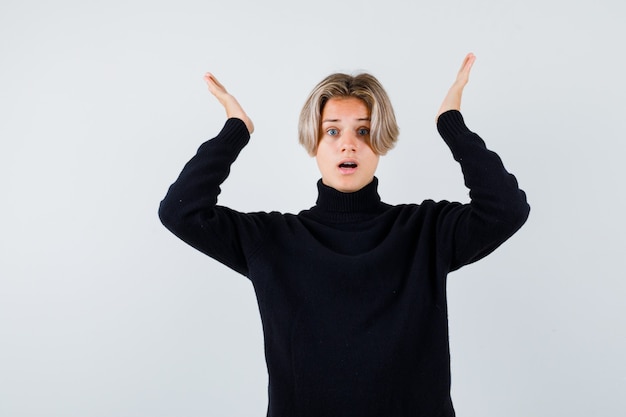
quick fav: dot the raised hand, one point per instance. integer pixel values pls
(230, 103)
(452, 101)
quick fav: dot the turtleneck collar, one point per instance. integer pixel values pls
(338, 206)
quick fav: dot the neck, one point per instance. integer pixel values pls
(338, 206)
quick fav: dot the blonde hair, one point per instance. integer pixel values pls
(384, 129)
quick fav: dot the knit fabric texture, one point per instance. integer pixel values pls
(351, 292)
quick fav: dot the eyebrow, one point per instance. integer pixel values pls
(363, 119)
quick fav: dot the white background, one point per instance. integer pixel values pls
(104, 313)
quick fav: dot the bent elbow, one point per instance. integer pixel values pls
(167, 215)
(518, 213)
(523, 209)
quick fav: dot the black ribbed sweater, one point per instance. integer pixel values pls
(352, 292)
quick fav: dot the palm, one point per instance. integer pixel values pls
(230, 103)
(452, 101)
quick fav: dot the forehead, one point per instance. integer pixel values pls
(345, 108)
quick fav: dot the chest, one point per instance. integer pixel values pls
(357, 266)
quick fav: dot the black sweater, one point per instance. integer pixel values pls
(352, 292)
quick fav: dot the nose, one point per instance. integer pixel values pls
(349, 142)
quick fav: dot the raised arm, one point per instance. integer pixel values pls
(190, 209)
(498, 208)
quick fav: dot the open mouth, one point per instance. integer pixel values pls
(348, 165)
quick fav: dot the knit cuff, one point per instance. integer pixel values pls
(235, 133)
(451, 123)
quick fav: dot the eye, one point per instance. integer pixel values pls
(332, 132)
(363, 131)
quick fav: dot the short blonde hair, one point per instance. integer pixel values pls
(384, 129)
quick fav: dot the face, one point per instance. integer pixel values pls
(346, 161)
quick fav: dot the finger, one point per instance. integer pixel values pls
(210, 78)
(468, 62)
(463, 75)
(212, 82)
(471, 58)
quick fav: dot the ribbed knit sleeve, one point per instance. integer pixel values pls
(498, 207)
(190, 210)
